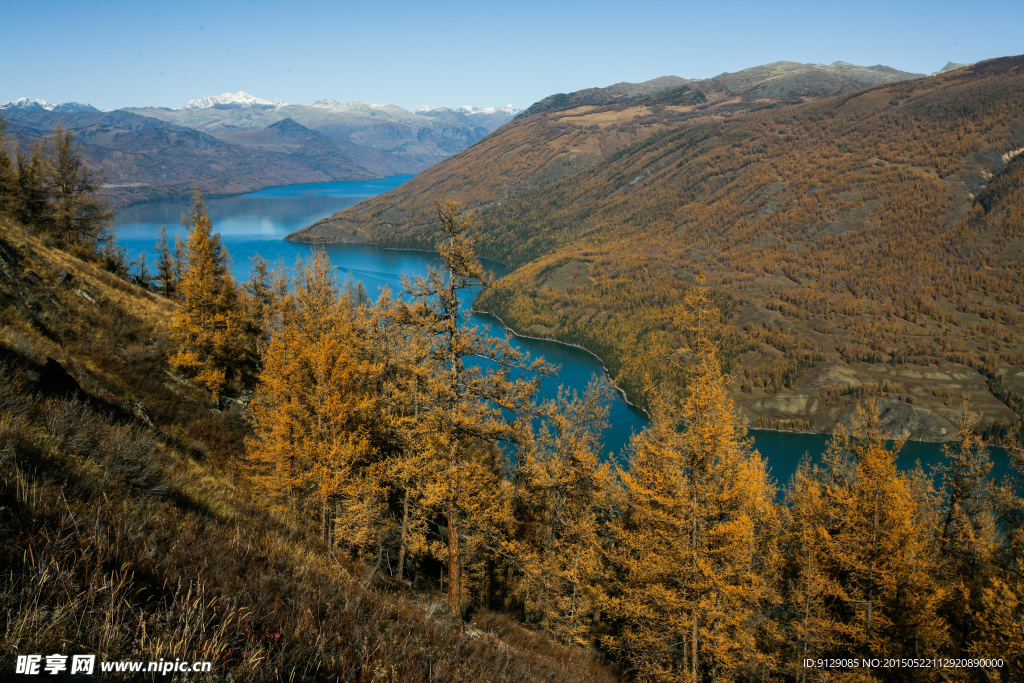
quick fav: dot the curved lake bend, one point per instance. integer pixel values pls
(256, 224)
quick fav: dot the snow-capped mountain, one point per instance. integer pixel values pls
(505, 109)
(490, 118)
(470, 110)
(26, 103)
(231, 100)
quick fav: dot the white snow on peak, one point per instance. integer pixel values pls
(470, 110)
(240, 98)
(328, 103)
(359, 104)
(22, 102)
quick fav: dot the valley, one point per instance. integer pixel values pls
(865, 243)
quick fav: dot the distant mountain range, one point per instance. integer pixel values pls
(236, 142)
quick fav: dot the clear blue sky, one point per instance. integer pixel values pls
(114, 54)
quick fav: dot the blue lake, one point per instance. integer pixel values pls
(256, 224)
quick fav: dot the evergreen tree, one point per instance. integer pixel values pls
(166, 277)
(8, 177)
(77, 216)
(208, 328)
(180, 260)
(139, 270)
(33, 208)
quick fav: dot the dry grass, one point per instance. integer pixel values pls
(131, 539)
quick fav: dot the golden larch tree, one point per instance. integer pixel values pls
(467, 402)
(313, 449)
(694, 550)
(561, 496)
(209, 327)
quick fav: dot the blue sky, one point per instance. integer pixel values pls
(114, 54)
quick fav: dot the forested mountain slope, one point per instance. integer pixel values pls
(868, 243)
(127, 531)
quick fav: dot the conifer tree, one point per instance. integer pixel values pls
(260, 298)
(969, 536)
(467, 402)
(33, 205)
(139, 270)
(561, 500)
(166, 277)
(693, 550)
(881, 543)
(401, 352)
(8, 177)
(314, 449)
(208, 328)
(180, 259)
(77, 216)
(1000, 616)
(811, 586)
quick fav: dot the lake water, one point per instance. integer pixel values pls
(256, 224)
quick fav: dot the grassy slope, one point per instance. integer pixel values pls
(844, 236)
(125, 531)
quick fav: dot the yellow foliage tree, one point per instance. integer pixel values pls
(313, 449)
(561, 493)
(209, 327)
(870, 587)
(466, 401)
(1000, 617)
(969, 537)
(811, 587)
(693, 549)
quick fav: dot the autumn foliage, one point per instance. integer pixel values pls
(209, 327)
(680, 561)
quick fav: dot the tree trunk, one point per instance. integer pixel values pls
(454, 578)
(401, 544)
(696, 567)
(871, 584)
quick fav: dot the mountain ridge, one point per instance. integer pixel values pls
(631, 199)
(776, 80)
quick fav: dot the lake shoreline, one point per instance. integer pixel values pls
(119, 206)
(620, 390)
(256, 223)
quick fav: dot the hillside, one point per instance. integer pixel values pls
(566, 133)
(861, 244)
(127, 531)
